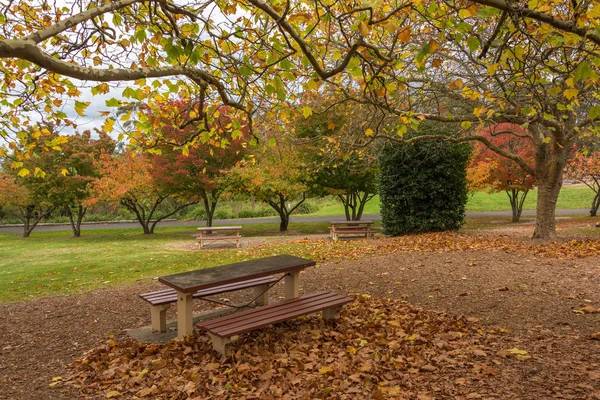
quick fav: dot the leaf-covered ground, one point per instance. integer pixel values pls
(515, 319)
(379, 349)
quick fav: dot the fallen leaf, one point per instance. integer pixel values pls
(517, 351)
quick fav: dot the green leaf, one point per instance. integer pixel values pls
(473, 43)
(245, 71)
(594, 112)
(112, 103)
(583, 71)
(129, 93)
(285, 64)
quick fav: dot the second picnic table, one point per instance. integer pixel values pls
(234, 234)
(346, 228)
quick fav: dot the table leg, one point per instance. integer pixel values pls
(292, 284)
(184, 314)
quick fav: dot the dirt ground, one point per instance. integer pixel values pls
(534, 301)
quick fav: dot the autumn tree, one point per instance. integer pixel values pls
(31, 206)
(346, 171)
(275, 175)
(127, 179)
(493, 173)
(585, 168)
(198, 169)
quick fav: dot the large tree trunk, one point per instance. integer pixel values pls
(550, 160)
(545, 218)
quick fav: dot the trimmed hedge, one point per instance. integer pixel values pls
(423, 186)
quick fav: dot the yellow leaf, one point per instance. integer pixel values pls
(325, 370)
(16, 164)
(404, 35)
(112, 393)
(517, 351)
(594, 12)
(330, 126)
(578, 312)
(369, 132)
(351, 350)
(492, 68)
(306, 111)
(57, 378)
(108, 125)
(23, 172)
(64, 172)
(363, 27)
(570, 93)
(411, 337)
(433, 46)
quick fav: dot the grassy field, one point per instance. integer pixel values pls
(57, 263)
(575, 196)
(50, 263)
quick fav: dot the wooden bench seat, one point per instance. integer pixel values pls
(161, 299)
(224, 330)
(335, 233)
(210, 238)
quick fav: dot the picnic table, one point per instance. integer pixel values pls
(350, 228)
(233, 234)
(187, 283)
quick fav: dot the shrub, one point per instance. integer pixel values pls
(308, 207)
(423, 186)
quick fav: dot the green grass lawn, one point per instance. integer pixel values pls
(50, 263)
(574, 196)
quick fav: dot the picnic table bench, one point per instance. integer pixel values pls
(204, 237)
(350, 228)
(224, 330)
(161, 300)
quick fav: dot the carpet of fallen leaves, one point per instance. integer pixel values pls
(327, 250)
(378, 349)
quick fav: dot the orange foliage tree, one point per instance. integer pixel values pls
(494, 173)
(127, 178)
(276, 175)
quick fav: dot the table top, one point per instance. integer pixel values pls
(192, 281)
(350, 222)
(219, 228)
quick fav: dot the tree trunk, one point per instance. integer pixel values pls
(76, 222)
(284, 221)
(545, 218)
(595, 205)
(516, 203)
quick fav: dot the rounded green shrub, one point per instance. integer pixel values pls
(423, 185)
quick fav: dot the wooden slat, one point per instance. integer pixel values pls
(273, 319)
(170, 295)
(262, 316)
(192, 281)
(222, 237)
(235, 316)
(300, 309)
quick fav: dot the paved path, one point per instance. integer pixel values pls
(269, 220)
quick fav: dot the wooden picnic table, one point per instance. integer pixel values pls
(345, 228)
(234, 234)
(188, 283)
